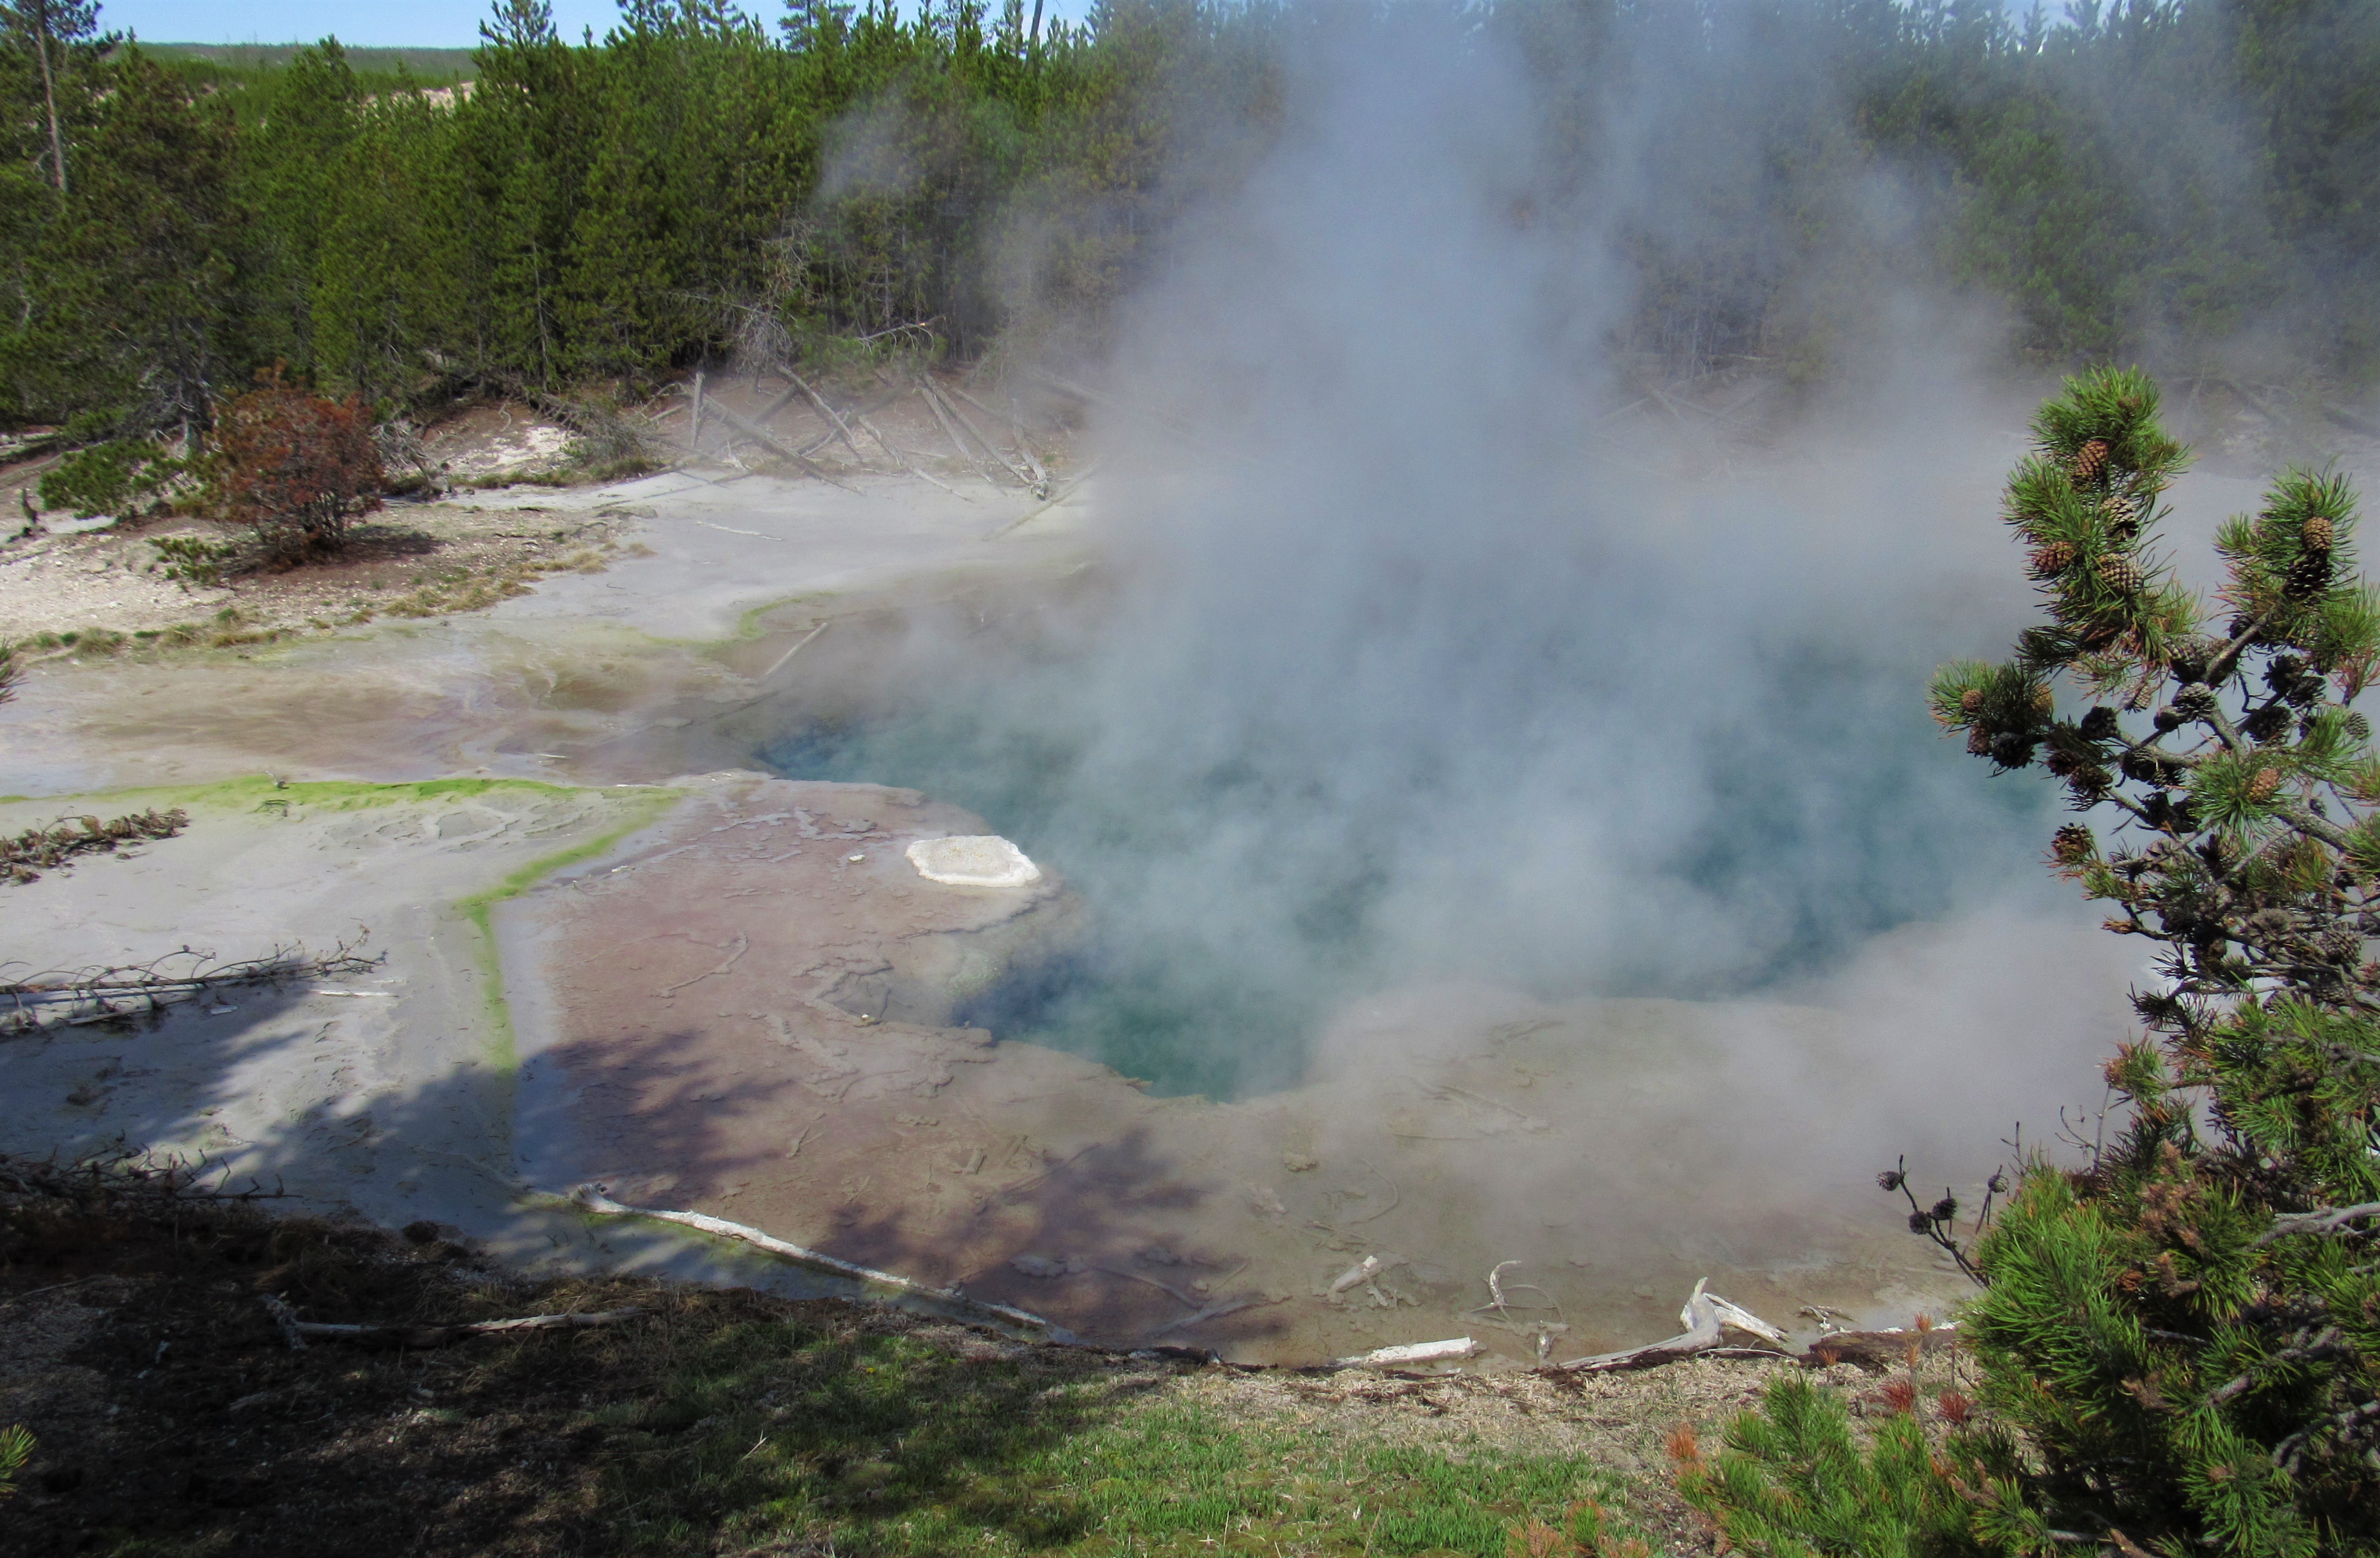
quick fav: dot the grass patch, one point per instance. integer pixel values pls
(720, 1421)
(886, 1445)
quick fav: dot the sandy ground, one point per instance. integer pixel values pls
(725, 1011)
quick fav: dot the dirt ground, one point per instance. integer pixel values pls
(95, 592)
(173, 1417)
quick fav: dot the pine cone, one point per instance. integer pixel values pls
(2123, 515)
(2309, 575)
(2265, 785)
(2091, 461)
(2266, 723)
(2044, 702)
(2061, 763)
(1970, 702)
(1979, 741)
(2099, 725)
(2318, 533)
(2191, 655)
(2011, 750)
(2091, 783)
(2119, 574)
(2358, 726)
(2195, 701)
(2342, 945)
(2050, 560)
(2072, 845)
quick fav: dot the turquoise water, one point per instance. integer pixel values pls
(1233, 902)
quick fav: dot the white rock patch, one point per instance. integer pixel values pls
(981, 861)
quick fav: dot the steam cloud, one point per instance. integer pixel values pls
(1423, 675)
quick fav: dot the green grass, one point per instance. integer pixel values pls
(769, 1437)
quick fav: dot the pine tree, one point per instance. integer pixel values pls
(49, 30)
(2179, 1339)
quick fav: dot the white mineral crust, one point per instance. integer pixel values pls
(981, 861)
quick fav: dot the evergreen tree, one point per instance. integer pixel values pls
(2180, 1338)
(133, 302)
(48, 31)
(292, 156)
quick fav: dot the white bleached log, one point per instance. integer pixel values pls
(1703, 1317)
(437, 1336)
(593, 1199)
(1409, 1354)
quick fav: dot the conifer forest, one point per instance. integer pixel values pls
(2160, 180)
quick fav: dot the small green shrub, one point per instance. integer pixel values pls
(109, 478)
(1793, 1480)
(192, 560)
(16, 1449)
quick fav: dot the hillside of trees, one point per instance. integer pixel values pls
(2165, 180)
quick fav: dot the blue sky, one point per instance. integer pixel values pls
(412, 23)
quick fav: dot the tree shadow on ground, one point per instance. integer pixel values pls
(173, 1417)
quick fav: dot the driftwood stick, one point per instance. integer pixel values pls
(1700, 1318)
(1743, 1319)
(593, 1199)
(286, 1318)
(1409, 1354)
(1165, 1288)
(1215, 1310)
(1705, 1316)
(759, 435)
(693, 419)
(1361, 1272)
(440, 1336)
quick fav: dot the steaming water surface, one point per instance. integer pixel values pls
(1207, 969)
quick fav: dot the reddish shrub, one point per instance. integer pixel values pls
(1956, 1408)
(295, 469)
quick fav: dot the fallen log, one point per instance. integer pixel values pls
(1024, 445)
(1018, 471)
(1052, 500)
(593, 1199)
(824, 410)
(1705, 1317)
(295, 1330)
(763, 438)
(908, 465)
(1409, 1353)
(934, 404)
(1878, 1352)
(857, 420)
